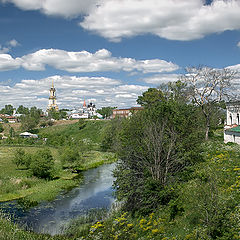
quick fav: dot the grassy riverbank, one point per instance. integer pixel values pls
(16, 183)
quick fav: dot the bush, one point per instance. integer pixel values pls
(42, 164)
(71, 158)
(43, 124)
(19, 157)
(70, 155)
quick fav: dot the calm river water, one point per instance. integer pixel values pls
(94, 192)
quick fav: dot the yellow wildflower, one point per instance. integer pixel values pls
(155, 230)
(130, 225)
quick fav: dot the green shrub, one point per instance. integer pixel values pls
(43, 124)
(70, 155)
(42, 164)
(71, 158)
(19, 157)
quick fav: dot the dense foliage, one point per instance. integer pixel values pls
(30, 120)
(40, 163)
(156, 146)
(8, 109)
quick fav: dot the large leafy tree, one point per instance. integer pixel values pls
(156, 145)
(31, 120)
(8, 109)
(22, 110)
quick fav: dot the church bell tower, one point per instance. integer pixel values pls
(52, 103)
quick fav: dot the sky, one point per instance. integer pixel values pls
(109, 51)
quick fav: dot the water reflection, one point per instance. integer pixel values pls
(95, 192)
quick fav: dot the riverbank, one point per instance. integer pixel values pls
(17, 183)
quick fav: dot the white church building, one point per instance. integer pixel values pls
(232, 128)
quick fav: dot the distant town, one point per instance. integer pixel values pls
(29, 118)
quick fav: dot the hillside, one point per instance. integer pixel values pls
(60, 134)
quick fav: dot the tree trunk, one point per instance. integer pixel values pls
(207, 127)
(206, 133)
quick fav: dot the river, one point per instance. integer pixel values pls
(49, 217)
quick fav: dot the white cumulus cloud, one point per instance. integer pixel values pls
(84, 61)
(68, 9)
(8, 63)
(171, 19)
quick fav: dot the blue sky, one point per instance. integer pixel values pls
(109, 51)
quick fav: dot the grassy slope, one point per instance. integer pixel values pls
(92, 132)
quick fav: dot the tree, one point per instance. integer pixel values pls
(35, 113)
(28, 123)
(156, 145)
(19, 157)
(57, 115)
(8, 109)
(42, 164)
(22, 110)
(106, 112)
(110, 135)
(151, 96)
(31, 120)
(208, 87)
(71, 158)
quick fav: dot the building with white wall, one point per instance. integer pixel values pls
(232, 128)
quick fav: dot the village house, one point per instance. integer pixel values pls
(126, 112)
(232, 128)
(28, 135)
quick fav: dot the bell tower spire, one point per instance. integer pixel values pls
(52, 103)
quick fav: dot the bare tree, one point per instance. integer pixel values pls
(208, 87)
